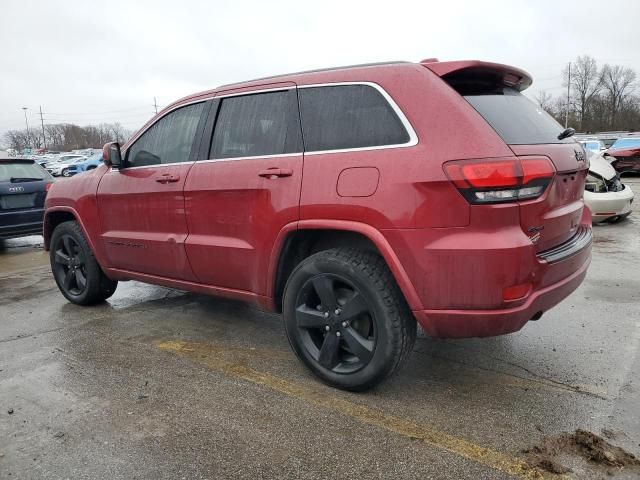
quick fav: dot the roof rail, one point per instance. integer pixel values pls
(271, 77)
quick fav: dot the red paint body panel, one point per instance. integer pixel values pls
(626, 159)
(234, 217)
(143, 224)
(221, 227)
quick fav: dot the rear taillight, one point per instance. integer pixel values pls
(47, 187)
(501, 179)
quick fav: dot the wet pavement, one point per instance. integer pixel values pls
(157, 383)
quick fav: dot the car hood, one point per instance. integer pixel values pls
(597, 164)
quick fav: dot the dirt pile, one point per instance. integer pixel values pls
(582, 443)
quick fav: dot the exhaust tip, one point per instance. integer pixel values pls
(537, 316)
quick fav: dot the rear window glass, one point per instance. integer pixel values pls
(19, 170)
(514, 117)
(348, 116)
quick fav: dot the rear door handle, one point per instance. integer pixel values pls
(167, 178)
(275, 172)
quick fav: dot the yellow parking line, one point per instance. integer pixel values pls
(214, 357)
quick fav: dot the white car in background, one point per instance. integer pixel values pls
(605, 195)
(59, 166)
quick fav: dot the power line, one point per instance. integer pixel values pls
(98, 113)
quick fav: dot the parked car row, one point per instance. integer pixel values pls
(69, 164)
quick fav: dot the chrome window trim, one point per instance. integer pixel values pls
(157, 165)
(413, 137)
(255, 157)
(284, 88)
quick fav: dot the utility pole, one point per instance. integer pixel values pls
(27, 123)
(44, 140)
(566, 115)
(155, 105)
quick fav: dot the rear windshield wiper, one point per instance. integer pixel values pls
(566, 133)
(25, 179)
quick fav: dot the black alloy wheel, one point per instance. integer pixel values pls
(70, 270)
(335, 323)
(346, 318)
(75, 268)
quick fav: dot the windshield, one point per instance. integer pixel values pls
(514, 117)
(10, 170)
(626, 143)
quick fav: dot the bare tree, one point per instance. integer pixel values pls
(66, 136)
(619, 83)
(586, 84)
(545, 101)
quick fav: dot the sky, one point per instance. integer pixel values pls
(88, 61)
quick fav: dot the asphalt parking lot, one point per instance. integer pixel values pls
(158, 383)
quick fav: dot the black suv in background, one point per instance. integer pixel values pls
(23, 188)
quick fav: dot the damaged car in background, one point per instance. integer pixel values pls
(624, 155)
(606, 196)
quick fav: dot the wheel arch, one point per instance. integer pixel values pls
(297, 241)
(55, 216)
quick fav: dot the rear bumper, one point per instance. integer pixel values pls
(487, 323)
(21, 223)
(465, 277)
(609, 204)
(21, 230)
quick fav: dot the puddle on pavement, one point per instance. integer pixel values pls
(23, 253)
(131, 293)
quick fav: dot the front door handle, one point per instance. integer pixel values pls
(167, 178)
(275, 172)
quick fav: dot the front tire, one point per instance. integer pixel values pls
(75, 269)
(346, 318)
(66, 173)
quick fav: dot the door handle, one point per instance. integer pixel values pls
(167, 178)
(275, 172)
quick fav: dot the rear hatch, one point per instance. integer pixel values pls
(23, 185)
(494, 91)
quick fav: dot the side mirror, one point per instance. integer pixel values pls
(111, 155)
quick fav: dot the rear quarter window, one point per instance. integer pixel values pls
(341, 117)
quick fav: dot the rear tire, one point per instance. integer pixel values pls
(75, 269)
(346, 318)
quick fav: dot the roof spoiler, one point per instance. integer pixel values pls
(511, 76)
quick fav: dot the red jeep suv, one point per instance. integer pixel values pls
(354, 200)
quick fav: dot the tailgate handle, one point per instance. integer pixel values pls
(275, 172)
(167, 178)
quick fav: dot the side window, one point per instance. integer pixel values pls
(257, 125)
(169, 140)
(348, 116)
